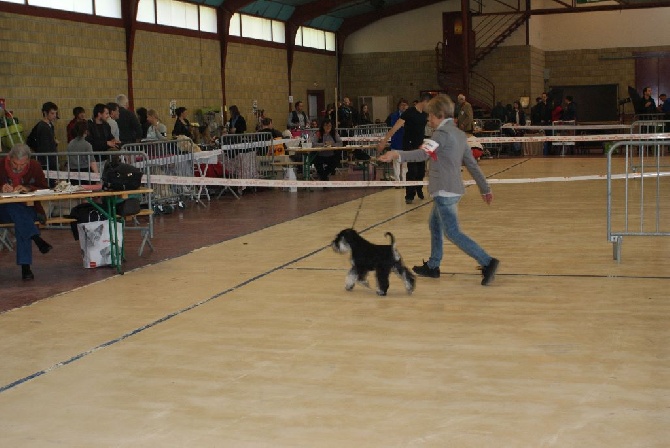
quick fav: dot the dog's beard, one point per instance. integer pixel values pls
(341, 246)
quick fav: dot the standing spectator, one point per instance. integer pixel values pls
(181, 125)
(557, 111)
(142, 116)
(399, 169)
(365, 117)
(81, 163)
(647, 103)
(535, 112)
(465, 115)
(130, 130)
(114, 113)
(545, 119)
(517, 118)
(449, 152)
(413, 120)
(100, 133)
(346, 114)
(156, 130)
(78, 114)
(661, 100)
(297, 119)
(498, 112)
(20, 174)
(330, 112)
(545, 110)
(237, 123)
(570, 108)
(42, 138)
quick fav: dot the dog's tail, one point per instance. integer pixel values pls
(396, 254)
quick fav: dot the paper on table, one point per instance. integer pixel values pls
(16, 195)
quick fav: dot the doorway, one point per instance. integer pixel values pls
(316, 104)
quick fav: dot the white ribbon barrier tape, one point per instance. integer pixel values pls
(575, 138)
(271, 183)
(561, 127)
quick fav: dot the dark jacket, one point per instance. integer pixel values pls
(130, 129)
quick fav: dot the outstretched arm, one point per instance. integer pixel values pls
(382, 143)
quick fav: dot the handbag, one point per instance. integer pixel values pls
(95, 244)
(119, 176)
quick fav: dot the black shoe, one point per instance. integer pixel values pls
(426, 271)
(420, 194)
(489, 272)
(409, 201)
(26, 273)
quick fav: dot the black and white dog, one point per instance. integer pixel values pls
(366, 257)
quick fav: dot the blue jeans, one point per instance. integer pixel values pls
(23, 218)
(444, 220)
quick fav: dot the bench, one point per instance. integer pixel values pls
(61, 222)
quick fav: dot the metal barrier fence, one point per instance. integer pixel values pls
(166, 158)
(245, 156)
(564, 132)
(646, 127)
(359, 159)
(489, 127)
(636, 208)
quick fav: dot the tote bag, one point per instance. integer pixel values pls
(96, 249)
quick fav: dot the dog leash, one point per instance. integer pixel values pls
(360, 206)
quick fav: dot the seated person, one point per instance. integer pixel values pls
(21, 174)
(156, 129)
(181, 125)
(326, 161)
(81, 163)
(268, 126)
(237, 124)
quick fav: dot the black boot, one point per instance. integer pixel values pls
(26, 273)
(42, 245)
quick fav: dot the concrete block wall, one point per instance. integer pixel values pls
(79, 64)
(170, 67)
(400, 74)
(586, 67)
(509, 68)
(71, 64)
(260, 74)
(313, 71)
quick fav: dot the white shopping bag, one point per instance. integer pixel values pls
(95, 244)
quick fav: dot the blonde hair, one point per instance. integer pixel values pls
(441, 106)
(152, 113)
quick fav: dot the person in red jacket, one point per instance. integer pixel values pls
(21, 174)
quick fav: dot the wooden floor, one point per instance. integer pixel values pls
(253, 341)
